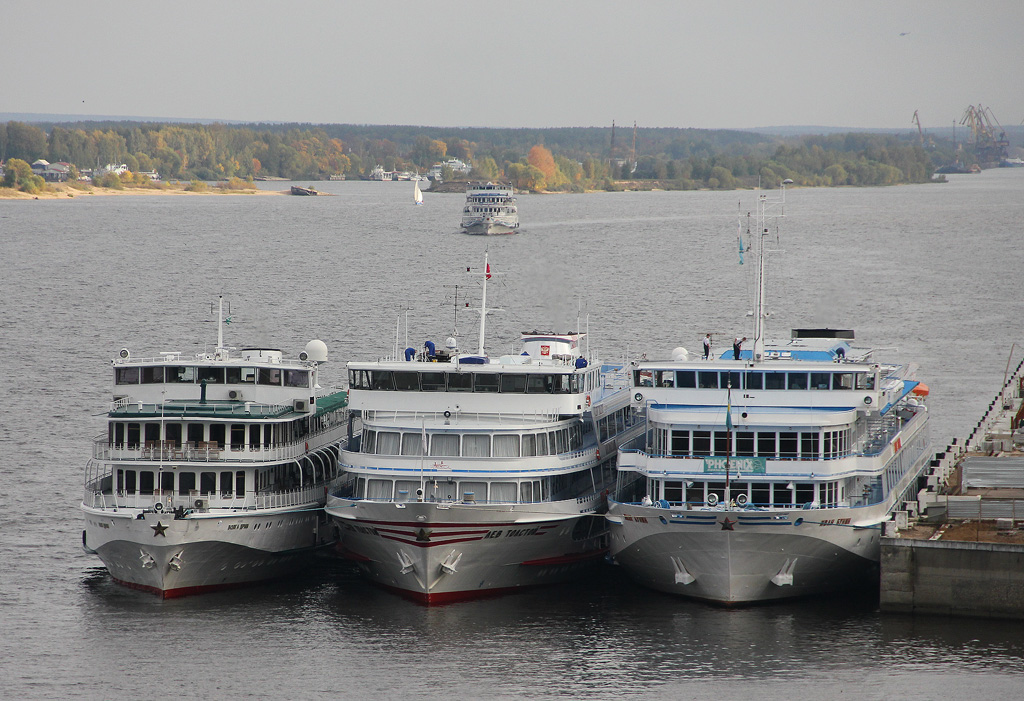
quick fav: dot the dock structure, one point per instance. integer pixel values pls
(959, 550)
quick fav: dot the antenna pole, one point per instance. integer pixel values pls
(483, 304)
(220, 322)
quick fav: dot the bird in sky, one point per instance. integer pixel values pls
(903, 34)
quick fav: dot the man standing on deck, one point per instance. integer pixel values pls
(707, 346)
(736, 345)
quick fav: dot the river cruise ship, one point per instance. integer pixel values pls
(766, 473)
(214, 468)
(490, 209)
(476, 474)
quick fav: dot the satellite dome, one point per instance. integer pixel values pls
(316, 350)
(680, 353)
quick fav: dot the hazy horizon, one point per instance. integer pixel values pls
(531, 64)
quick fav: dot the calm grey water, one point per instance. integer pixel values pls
(931, 270)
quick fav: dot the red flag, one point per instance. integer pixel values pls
(488, 271)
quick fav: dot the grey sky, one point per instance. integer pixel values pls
(708, 64)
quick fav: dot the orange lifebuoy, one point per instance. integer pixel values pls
(588, 400)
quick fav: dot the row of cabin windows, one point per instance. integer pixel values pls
(132, 434)
(787, 445)
(616, 422)
(484, 198)
(753, 379)
(758, 493)
(526, 491)
(190, 374)
(507, 383)
(474, 445)
(225, 483)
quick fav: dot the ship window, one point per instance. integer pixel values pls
(126, 376)
(680, 442)
(485, 382)
(217, 434)
(766, 444)
(368, 441)
(755, 380)
(407, 381)
(207, 482)
(797, 380)
(248, 375)
(529, 445)
(153, 375)
(186, 483)
(701, 443)
(382, 379)
(460, 382)
(234, 375)
(296, 378)
(863, 380)
(134, 435)
(389, 443)
(805, 493)
(642, 378)
(129, 481)
(269, 376)
(146, 482)
(707, 379)
(745, 443)
(733, 378)
(240, 483)
(788, 444)
(513, 383)
(673, 492)
(539, 384)
(542, 444)
(172, 433)
(842, 380)
(821, 380)
(809, 446)
(476, 446)
(526, 492)
(473, 491)
(412, 444)
(152, 433)
(226, 483)
(195, 433)
(686, 378)
(506, 446)
(761, 493)
(212, 376)
(118, 433)
(775, 380)
(782, 493)
(721, 442)
(433, 381)
(378, 489)
(181, 373)
(237, 436)
(254, 436)
(664, 378)
(405, 490)
(503, 491)
(444, 445)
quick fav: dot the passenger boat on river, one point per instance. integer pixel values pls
(475, 475)
(767, 473)
(214, 468)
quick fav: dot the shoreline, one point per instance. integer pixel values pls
(62, 191)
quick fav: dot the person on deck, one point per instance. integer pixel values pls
(736, 346)
(707, 346)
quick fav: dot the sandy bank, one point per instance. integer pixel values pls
(62, 191)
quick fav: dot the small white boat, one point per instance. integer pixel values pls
(214, 468)
(417, 194)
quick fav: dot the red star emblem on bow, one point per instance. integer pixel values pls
(727, 524)
(159, 529)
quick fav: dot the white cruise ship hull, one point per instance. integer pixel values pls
(746, 556)
(174, 557)
(487, 227)
(437, 552)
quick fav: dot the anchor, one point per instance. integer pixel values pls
(785, 575)
(450, 563)
(682, 576)
(147, 560)
(407, 565)
(176, 562)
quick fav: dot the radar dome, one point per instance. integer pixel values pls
(316, 351)
(680, 353)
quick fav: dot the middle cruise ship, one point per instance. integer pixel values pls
(490, 209)
(477, 475)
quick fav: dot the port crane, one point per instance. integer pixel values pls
(988, 147)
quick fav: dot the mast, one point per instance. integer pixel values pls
(220, 323)
(763, 205)
(483, 302)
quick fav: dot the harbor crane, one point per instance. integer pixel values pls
(989, 148)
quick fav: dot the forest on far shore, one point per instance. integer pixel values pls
(557, 159)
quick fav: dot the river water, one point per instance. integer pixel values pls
(930, 272)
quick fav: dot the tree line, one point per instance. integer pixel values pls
(569, 159)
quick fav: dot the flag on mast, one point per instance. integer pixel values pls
(488, 271)
(728, 409)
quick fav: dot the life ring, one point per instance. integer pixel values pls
(588, 400)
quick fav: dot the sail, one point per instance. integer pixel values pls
(417, 196)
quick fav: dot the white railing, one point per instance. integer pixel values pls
(99, 496)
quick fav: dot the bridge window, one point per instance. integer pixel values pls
(407, 381)
(296, 378)
(775, 380)
(797, 380)
(707, 379)
(382, 379)
(842, 380)
(269, 376)
(126, 376)
(181, 374)
(486, 382)
(212, 376)
(686, 378)
(821, 380)
(513, 383)
(460, 382)
(153, 375)
(433, 381)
